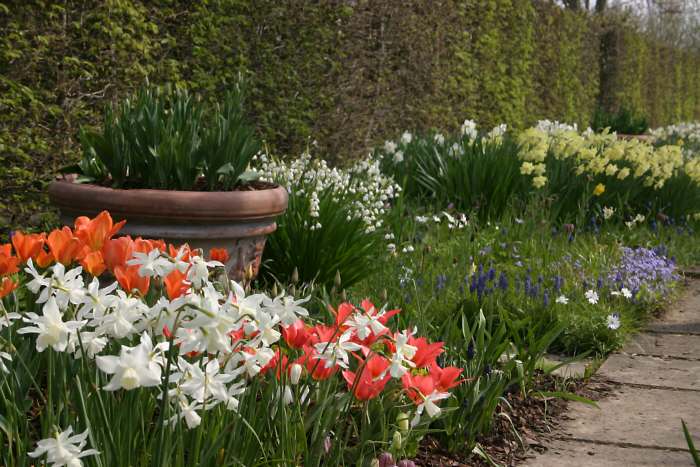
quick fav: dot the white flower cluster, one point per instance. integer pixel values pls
(363, 188)
(469, 129)
(231, 332)
(689, 131)
(551, 128)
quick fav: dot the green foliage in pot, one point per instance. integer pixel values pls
(166, 138)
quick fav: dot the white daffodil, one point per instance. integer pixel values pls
(125, 312)
(202, 385)
(402, 356)
(592, 296)
(198, 273)
(66, 287)
(96, 301)
(286, 307)
(64, 449)
(332, 353)
(364, 324)
(430, 406)
(6, 356)
(266, 326)
(250, 362)
(562, 299)
(246, 305)
(51, 329)
(151, 264)
(626, 293)
(187, 411)
(6, 319)
(138, 366)
(38, 281)
(92, 343)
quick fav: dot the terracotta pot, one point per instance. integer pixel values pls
(239, 221)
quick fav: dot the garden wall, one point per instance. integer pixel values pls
(346, 74)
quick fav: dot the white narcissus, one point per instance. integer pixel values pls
(64, 449)
(138, 366)
(202, 385)
(51, 329)
(97, 301)
(402, 356)
(6, 356)
(286, 307)
(430, 406)
(333, 353)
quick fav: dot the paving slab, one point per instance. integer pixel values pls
(574, 370)
(581, 454)
(670, 345)
(653, 371)
(640, 416)
(684, 315)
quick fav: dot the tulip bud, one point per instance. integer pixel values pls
(249, 272)
(337, 281)
(374, 463)
(295, 276)
(327, 444)
(386, 460)
(295, 373)
(396, 442)
(402, 422)
(344, 296)
(274, 290)
(385, 296)
(406, 463)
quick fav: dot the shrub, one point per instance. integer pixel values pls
(334, 223)
(624, 121)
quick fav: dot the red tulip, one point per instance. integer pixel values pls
(296, 335)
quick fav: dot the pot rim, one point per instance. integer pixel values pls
(171, 205)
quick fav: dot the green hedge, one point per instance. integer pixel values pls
(345, 74)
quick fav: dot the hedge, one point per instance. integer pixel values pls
(343, 74)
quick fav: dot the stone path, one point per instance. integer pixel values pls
(655, 382)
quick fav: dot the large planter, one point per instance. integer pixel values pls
(238, 221)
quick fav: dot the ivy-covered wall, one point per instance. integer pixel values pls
(344, 74)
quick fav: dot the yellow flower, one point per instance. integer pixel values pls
(527, 168)
(539, 181)
(599, 189)
(623, 173)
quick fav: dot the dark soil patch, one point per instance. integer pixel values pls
(534, 418)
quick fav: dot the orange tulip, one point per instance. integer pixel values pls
(175, 284)
(219, 254)
(93, 263)
(45, 259)
(8, 263)
(6, 286)
(143, 245)
(117, 251)
(27, 245)
(95, 232)
(173, 251)
(64, 246)
(129, 279)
